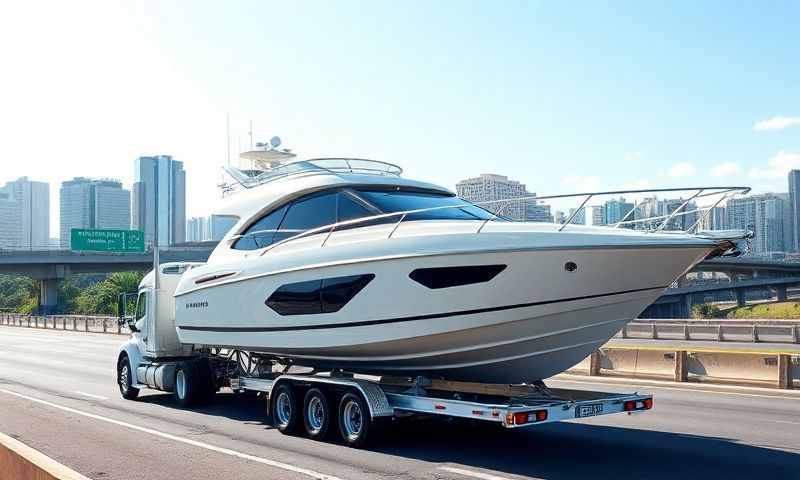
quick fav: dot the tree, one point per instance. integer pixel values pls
(706, 310)
(101, 298)
(18, 294)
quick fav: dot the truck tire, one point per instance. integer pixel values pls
(125, 379)
(355, 422)
(285, 414)
(316, 414)
(186, 384)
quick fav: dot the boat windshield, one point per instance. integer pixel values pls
(390, 201)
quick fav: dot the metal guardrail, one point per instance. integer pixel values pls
(77, 323)
(772, 331)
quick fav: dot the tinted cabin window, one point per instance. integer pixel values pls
(446, 277)
(398, 201)
(261, 233)
(326, 295)
(348, 208)
(306, 214)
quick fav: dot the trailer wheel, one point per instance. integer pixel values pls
(285, 415)
(355, 422)
(125, 379)
(316, 414)
(186, 384)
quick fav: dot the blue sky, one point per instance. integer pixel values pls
(562, 96)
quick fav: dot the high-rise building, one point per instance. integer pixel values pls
(93, 203)
(768, 215)
(491, 188)
(794, 206)
(598, 215)
(159, 199)
(211, 228)
(615, 210)
(25, 214)
(659, 210)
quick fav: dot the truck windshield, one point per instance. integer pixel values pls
(390, 201)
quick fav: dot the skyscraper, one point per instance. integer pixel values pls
(490, 188)
(159, 199)
(615, 210)
(25, 214)
(90, 203)
(211, 228)
(794, 206)
(768, 215)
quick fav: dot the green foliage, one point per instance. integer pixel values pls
(18, 294)
(706, 310)
(101, 298)
(774, 311)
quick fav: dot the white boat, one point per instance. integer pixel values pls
(344, 264)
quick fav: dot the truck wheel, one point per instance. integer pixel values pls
(285, 416)
(185, 384)
(125, 379)
(355, 422)
(316, 414)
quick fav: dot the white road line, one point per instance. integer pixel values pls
(656, 386)
(187, 441)
(786, 421)
(91, 395)
(470, 473)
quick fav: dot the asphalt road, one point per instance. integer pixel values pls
(58, 395)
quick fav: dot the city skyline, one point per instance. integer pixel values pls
(705, 95)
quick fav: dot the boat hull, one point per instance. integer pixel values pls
(534, 319)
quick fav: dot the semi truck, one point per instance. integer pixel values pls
(318, 404)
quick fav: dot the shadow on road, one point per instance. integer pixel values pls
(561, 450)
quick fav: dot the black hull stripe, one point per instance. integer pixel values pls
(410, 319)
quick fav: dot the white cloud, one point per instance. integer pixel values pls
(725, 169)
(776, 123)
(777, 167)
(683, 169)
(580, 184)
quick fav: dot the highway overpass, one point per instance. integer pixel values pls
(746, 274)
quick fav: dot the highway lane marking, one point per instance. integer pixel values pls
(470, 473)
(91, 395)
(786, 421)
(651, 385)
(176, 438)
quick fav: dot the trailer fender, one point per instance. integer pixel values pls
(375, 397)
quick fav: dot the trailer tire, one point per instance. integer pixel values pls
(186, 384)
(356, 424)
(125, 379)
(284, 411)
(316, 414)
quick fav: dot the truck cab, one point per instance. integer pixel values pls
(148, 358)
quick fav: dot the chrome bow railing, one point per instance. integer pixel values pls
(654, 224)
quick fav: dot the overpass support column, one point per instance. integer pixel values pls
(785, 371)
(48, 295)
(687, 305)
(780, 292)
(681, 366)
(741, 301)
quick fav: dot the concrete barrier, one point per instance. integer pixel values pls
(20, 462)
(779, 369)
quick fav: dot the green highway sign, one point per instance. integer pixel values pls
(107, 240)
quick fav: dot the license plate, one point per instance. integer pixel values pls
(588, 410)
